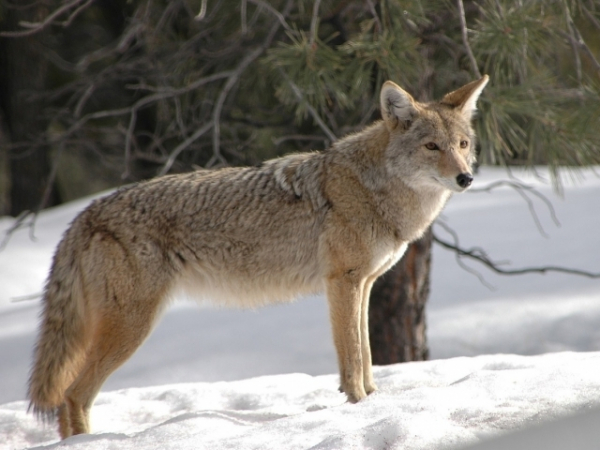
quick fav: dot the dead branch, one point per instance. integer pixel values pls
(480, 255)
(232, 80)
(202, 14)
(243, 16)
(457, 256)
(160, 95)
(83, 99)
(590, 16)
(23, 220)
(181, 147)
(36, 27)
(523, 190)
(477, 254)
(280, 17)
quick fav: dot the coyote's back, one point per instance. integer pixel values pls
(333, 221)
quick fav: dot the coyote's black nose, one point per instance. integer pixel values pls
(464, 180)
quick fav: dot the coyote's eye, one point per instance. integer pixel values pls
(464, 144)
(431, 146)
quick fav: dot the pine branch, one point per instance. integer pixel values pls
(312, 111)
(577, 38)
(314, 22)
(465, 38)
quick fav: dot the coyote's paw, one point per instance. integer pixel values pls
(370, 387)
(355, 397)
(354, 394)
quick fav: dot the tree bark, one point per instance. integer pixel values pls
(397, 307)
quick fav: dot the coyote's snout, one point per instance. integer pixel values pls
(464, 180)
(332, 220)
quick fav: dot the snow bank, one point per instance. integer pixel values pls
(430, 405)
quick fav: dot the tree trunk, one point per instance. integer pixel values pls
(397, 307)
(23, 70)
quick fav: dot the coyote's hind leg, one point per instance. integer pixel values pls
(117, 336)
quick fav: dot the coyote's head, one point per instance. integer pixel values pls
(431, 144)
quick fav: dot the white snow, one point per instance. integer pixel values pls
(282, 357)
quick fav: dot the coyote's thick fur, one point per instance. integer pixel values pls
(332, 220)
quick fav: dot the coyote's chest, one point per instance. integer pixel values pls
(385, 254)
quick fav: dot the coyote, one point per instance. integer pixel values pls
(332, 220)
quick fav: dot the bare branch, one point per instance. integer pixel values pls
(480, 255)
(179, 117)
(91, 116)
(21, 221)
(465, 38)
(26, 298)
(29, 218)
(458, 259)
(129, 138)
(523, 190)
(83, 99)
(378, 27)
(475, 253)
(166, 92)
(202, 14)
(232, 80)
(280, 17)
(243, 16)
(36, 27)
(181, 147)
(120, 46)
(159, 95)
(590, 16)
(50, 181)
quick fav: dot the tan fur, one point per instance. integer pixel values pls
(334, 221)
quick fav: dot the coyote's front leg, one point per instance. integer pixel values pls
(368, 381)
(344, 294)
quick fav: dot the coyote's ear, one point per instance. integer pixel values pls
(465, 98)
(398, 108)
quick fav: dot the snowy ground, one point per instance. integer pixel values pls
(422, 405)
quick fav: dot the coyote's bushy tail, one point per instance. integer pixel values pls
(61, 341)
